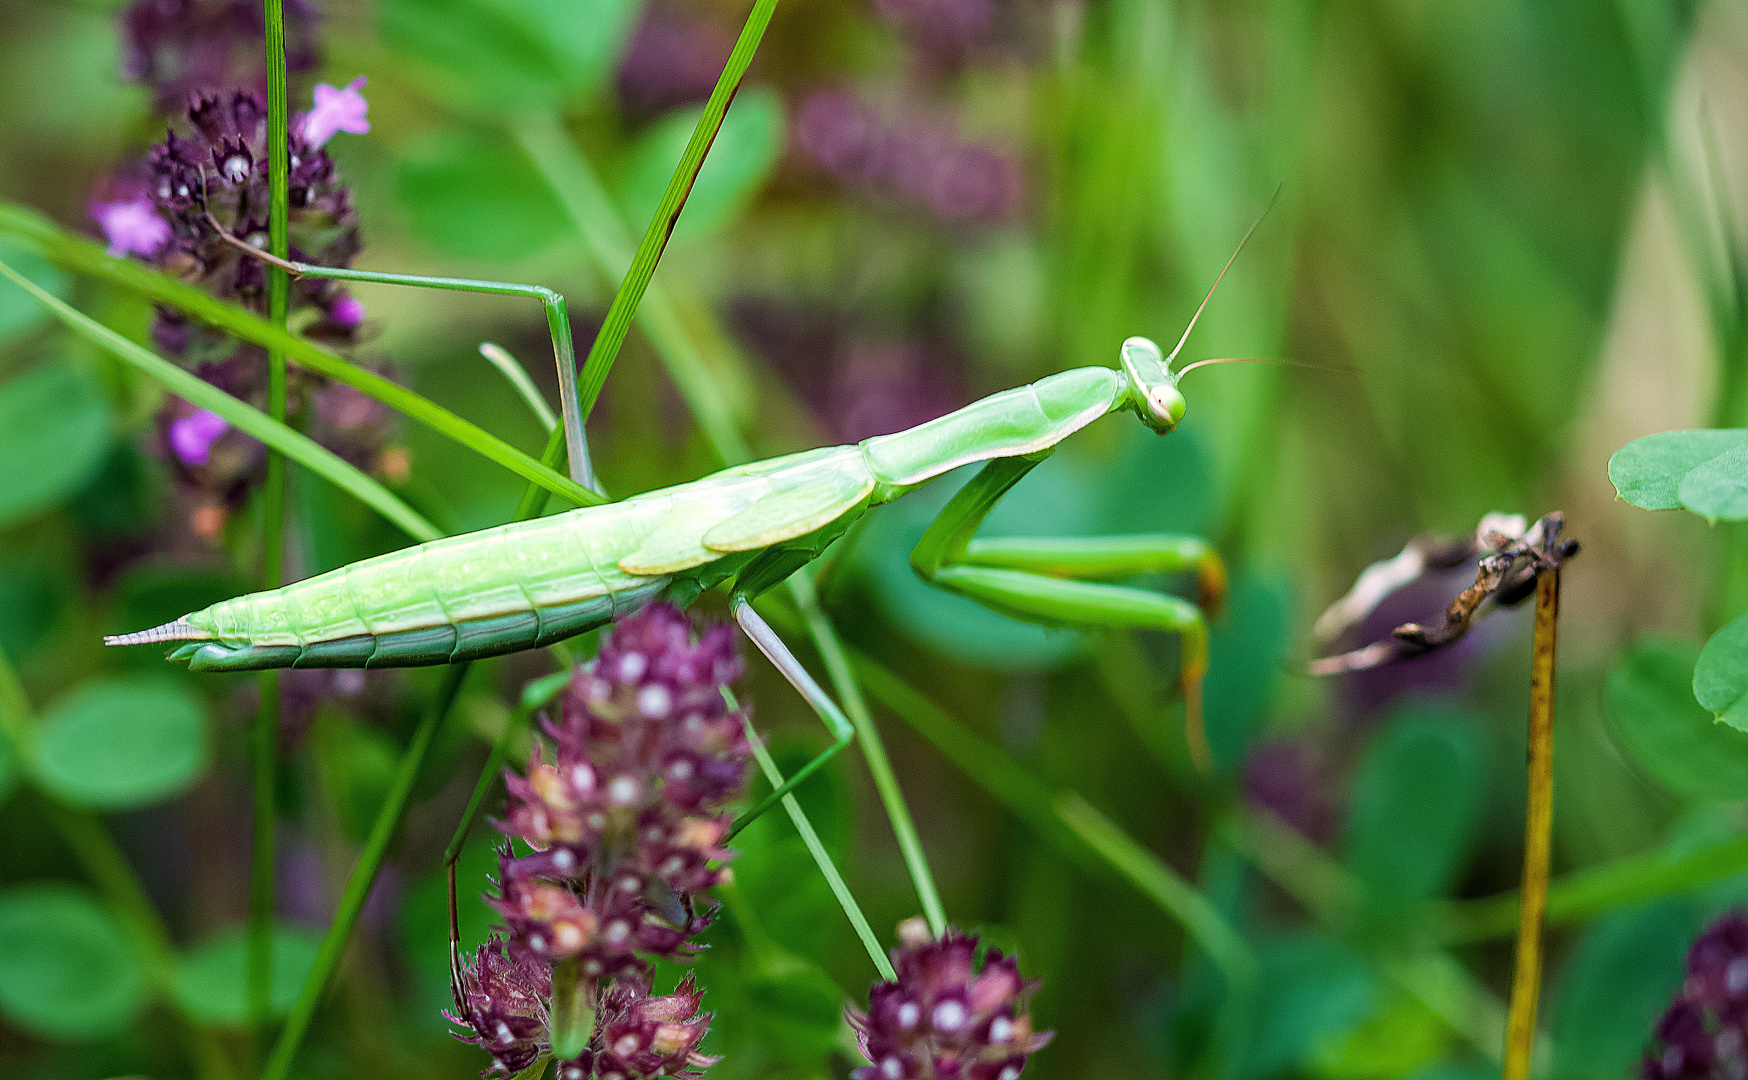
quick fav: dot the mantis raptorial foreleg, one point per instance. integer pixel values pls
(557, 322)
(767, 642)
(1055, 581)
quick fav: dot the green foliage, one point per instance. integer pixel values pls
(117, 743)
(54, 431)
(1720, 678)
(67, 970)
(1246, 647)
(1661, 728)
(1665, 471)
(1416, 804)
(210, 982)
(19, 313)
(1313, 994)
(1626, 967)
(741, 159)
(509, 54)
(475, 194)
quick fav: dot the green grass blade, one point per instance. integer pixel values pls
(240, 415)
(89, 258)
(661, 226)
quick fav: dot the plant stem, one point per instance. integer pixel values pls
(831, 650)
(1537, 832)
(358, 886)
(266, 734)
(821, 857)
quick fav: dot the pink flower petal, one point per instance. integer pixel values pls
(336, 110)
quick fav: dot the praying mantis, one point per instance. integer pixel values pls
(747, 528)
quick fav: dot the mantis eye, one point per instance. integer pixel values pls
(1165, 408)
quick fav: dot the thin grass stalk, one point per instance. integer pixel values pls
(89, 258)
(259, 970)
(358, 885)
(655, 238)
(1520, 1031)
(821, 858)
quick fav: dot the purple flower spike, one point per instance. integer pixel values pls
(503, 995)
(191, 437)
(132, 227)
(1704, 1034)
(942, 1018)
(336, 110)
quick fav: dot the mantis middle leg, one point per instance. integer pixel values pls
(1062, 581)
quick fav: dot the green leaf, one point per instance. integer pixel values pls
(1611, 988)
(1648, 472)
(478, 196)
(54, 431)
(19, 313)
(211, 981)
(795, 1005)
(1659, 725)
(1401, 1037)
(741, 159)
(32, 594)
(512, 53)
(1313, 993)
(8, 767)
(117, 743)
(67, 971)
(1720, 678)
(1246, 648)
(1718, 489)
(358, 766)
(1416, 804)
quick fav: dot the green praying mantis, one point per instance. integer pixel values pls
(747, 528)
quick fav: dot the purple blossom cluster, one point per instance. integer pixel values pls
(944, 1019)
(673, 58)
(921, 163)
(1704, 1034)
(625, 822)
(181, 48)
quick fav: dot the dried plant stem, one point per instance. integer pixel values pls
(1520, 1031)
(265, 740)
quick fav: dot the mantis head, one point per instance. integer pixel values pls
(1152, 385)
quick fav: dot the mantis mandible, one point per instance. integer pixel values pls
(533, 583)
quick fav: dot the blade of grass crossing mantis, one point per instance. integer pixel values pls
(259, 969)
(86, 257)
(238, 414)
(1537, 833)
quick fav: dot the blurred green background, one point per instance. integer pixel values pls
(1502, 245)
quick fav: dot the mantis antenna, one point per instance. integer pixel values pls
(1222, 276)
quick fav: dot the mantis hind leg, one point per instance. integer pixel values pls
(1064, 581)
(768, 643)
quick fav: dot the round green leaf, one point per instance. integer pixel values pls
(1312, 992)
(478, 196)
(19, 311)
(211, 982)
(1720, 679)
(67, 971)
(1660, 727)
(1416, 804)
(1717, 490)
(118, 743)
(54, 432)
(1614, 984)
(741, 159)
(512, 52)
(1648, 472)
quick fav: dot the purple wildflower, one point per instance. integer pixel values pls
(503, 995)
(1704, 1033)
(336, 110)
(626, 822)
(1285, 777)
(672, 59)
(346, 312)
(182, 48)
(131, 226)
(192, 436)
(943, 1019)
